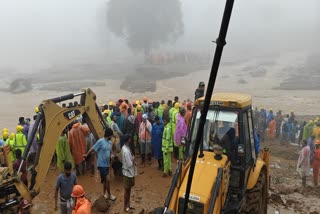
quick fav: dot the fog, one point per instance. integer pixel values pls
(42, 33)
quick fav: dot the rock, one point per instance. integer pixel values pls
(141, 211)
(101, 205)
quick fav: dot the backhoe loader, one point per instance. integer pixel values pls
(229, 174)
(51, 120)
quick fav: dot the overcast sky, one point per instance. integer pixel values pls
(44, 32)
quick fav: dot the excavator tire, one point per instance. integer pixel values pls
(257, 198)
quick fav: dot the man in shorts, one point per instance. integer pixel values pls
(103, 149)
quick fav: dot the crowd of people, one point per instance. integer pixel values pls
(285, 129)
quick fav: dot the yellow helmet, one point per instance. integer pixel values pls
(107, 111)
(138, 102)
(5, 130)
(111, 103)
(12, 136)
(310, 121)
(139, 107)
(270, 109)
(5, 135)
(19, 128)
(177, 105)
(36, 110)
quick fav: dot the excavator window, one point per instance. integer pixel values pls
(220, 129)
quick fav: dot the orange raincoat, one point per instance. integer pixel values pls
(272, 129)
(83, 206)
(77, 140)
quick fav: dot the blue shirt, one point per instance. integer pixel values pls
(66, 185)
(103, 149)
(1, 142)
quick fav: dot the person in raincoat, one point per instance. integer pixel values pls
(181, 131)
(81, 204)
(167, 147)
(272, 129)
(316, 163)
(156, 139)
(10, 142)
(173, 120)
(63, 151)
(20, 140)
(303, 165)
(77, 141)
(107, 115)
(145, 130)
(307, 130)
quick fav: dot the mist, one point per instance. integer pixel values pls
(41, 33)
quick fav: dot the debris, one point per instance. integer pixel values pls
(101, 205)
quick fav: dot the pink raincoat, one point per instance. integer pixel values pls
(181, 129)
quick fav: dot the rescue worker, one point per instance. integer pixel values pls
(166, 111)
(5, 136)
(11, 143)
(181, 131)
(156, 139)
(20, 140)
(107, 115)
(272, 129)
(145, 130)
(111, 107)
(167, 147)
(316, 163)
(64, 187)
(145, 104)
(137, 123)
(307, 130)
(77, 142)
(63, 151)
(303, 165)
(173, 119)
(103, 148)
(81, 204)
(128, 171)
(316, 131)
(160, 108)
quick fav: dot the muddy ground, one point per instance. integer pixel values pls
(285, 194)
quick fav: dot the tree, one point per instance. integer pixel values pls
(145, 24)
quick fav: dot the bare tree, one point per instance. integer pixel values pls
(145, 24)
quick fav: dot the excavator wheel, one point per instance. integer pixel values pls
(257, 198)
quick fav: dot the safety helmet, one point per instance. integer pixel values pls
(139, 107)
(106, 111)
(36, 110)
(291, 111)
(177, 105)
(5, 135)
(12, 136)
(19, 128)
(145, 99)
(111, 103)
(138, 102)
(270, 109)
(77, 191)
(5, 130)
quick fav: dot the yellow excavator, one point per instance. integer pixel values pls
(51, 120)
(230, 174)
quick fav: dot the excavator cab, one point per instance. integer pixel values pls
(229, 175)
